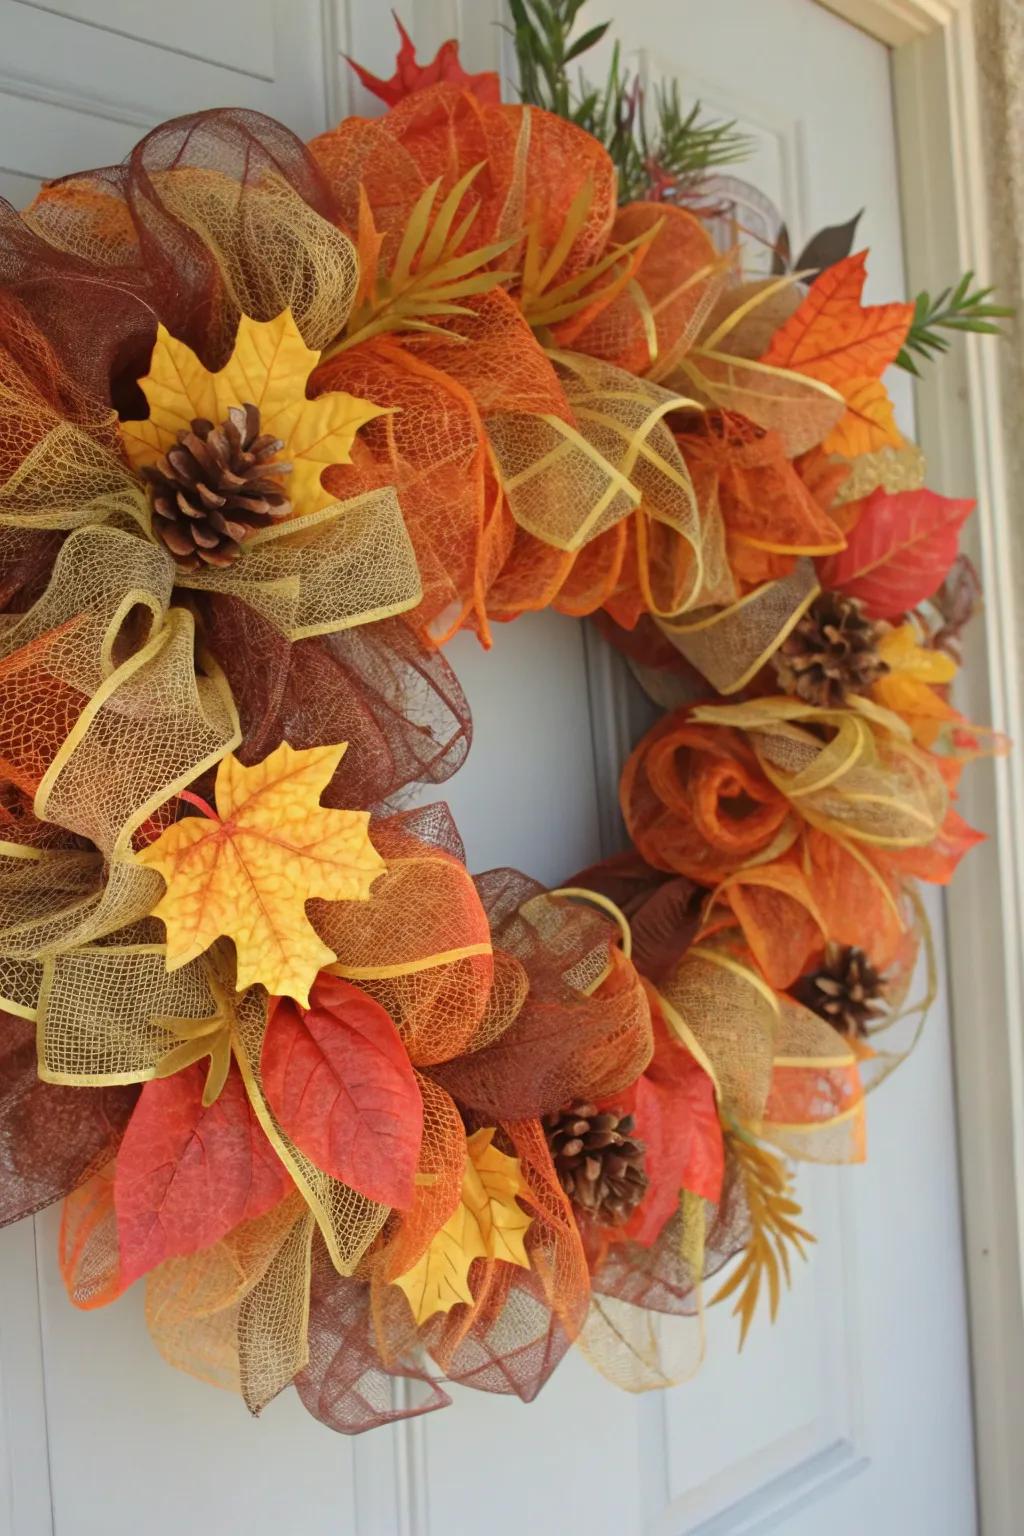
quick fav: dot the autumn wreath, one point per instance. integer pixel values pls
(276, 421)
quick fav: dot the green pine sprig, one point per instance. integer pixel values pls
(954, 309)
(654, 152)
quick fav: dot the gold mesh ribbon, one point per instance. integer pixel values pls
(640, 1350)
(351, 563)
(305, 264)
(729, 646)
(568, 483)
(235, 1314)
(868, 783)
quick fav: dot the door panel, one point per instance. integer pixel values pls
(855, 1406)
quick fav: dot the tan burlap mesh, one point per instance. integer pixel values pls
(640, 1350)
(305, 264)
(351, 563)
(568, 484)
(729, 646)
(273, 1320)
(193, 1303)
(728, 1016)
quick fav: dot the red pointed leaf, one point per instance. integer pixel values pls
(410, 75)
(676, 1118)
(186, 1175)
(899, 551)
(339, 1080)
(938, 861)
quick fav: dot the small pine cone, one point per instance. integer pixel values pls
(847, 991)
(599, 1165)
(214, 487)
(832, 651)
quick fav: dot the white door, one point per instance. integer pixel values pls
(855, 1407)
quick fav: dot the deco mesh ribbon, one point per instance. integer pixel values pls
(276, 422)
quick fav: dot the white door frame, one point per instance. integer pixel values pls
(961, 425)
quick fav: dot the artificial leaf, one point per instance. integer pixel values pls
(868, 423)
(903, 655)
(774, 1232)
(956, 603)
(269, 368)
(410, 75)
(833, 337)
(828, 246)
(676, 1118)
(248, 870)
(899, 551)
(488, 1224)
(187, 1173)
(936, 862)
(924, 710)
(431, 272)
(340, 1083)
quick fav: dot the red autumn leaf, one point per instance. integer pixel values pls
(899, 551)
(676, 1118)
(340, 1082)
(410, 75)
(833, 337)
(186, 1175)
(937, 861)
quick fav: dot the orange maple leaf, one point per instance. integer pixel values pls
(833, 337)
(868, 422)
(248, 870)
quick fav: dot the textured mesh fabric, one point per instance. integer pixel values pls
(865, 780)
(345, 1383)
(697, 802)
(51, 1139)
(534, 167)
(211, 215)
(729, 645)
(377, 686)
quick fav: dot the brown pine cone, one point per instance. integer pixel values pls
(599, 1165)
(847, 991)
(216, 486)
(831, 652)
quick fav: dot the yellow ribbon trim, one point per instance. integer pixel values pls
(408, 967)
(682, 1029)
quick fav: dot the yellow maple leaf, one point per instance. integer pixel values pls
(868, 423)
(248, 871)
(488, 1223)
(900, 650)
(269, 368)
(907, 688)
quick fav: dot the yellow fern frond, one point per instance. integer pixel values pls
(430, 274)
(772, 1209)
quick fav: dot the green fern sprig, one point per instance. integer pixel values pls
(954, 309)
(652, 153)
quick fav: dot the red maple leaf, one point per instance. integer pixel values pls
(410, 75)
(899, 551)
(340, 1082)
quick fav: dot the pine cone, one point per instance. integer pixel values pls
(847, 991)
(214, 487)
(832, 651)
(598, 1163)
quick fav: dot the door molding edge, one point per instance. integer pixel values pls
(896, 22)
(961, 425)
